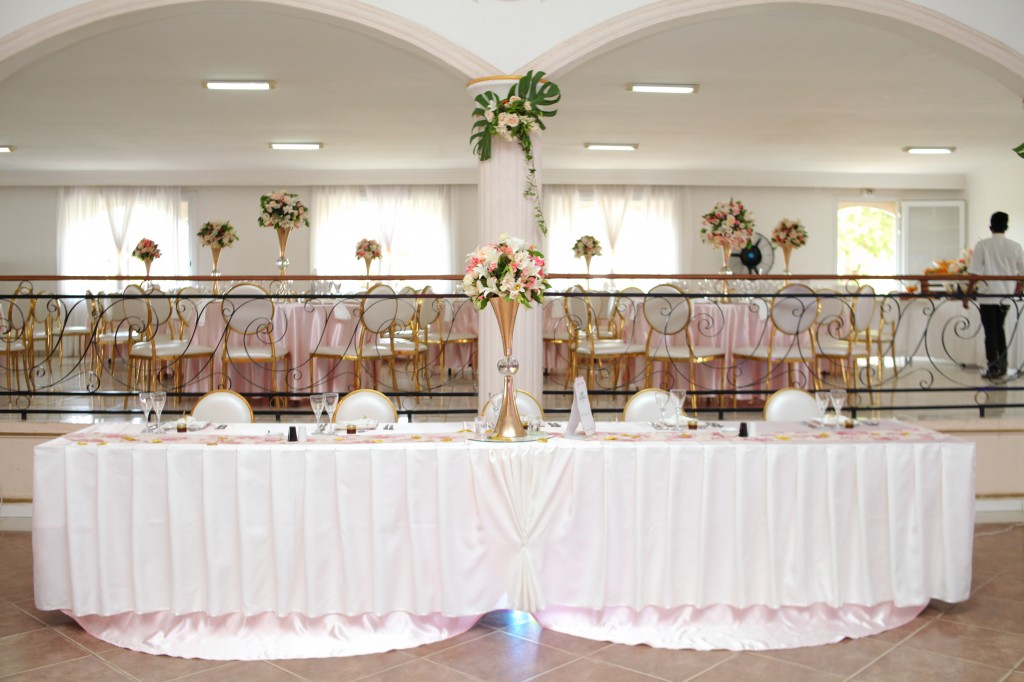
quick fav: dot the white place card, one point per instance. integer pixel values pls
(580, 413)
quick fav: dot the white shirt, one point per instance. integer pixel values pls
(997, 255)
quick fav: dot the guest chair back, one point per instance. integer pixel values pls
(790, 404)
(526, 404)
(223, 406)
(642, 406)
(365, 403)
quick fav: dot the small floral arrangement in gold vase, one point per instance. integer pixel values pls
(729, 225)
(284, 212)
(586, 247)
(217, 235)
(506, 274)
(368, 250)
(789, 235)
(146, 251)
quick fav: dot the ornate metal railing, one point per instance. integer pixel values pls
(729, 341)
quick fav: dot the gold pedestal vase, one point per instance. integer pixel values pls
(282, 239)
(587, 258)
(215, 252)
(508, 425)
(368, 260)
(149, 263)
(787, 251)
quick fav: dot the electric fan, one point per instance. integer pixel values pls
(757, 257)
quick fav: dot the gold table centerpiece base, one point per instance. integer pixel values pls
(508, 425)
(282, 240)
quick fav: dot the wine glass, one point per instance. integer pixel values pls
(330, 404)
(146, 403)
(678, 397)
(159, 400)
(838, 400)
(316, 401)
(822, 398)
(661, 399)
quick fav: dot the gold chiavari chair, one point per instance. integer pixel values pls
(585, 346)
(248, 313)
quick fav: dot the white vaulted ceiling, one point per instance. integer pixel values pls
(785, 92)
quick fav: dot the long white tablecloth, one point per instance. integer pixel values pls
(237, 545)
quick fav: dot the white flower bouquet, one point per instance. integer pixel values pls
(728, 224)
(789, 233)
(368, 249)
(510, 269)
(217, 234)
(586, 246)
(283, 211)
(146, 250)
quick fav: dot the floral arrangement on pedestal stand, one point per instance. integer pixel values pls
(728, 226)
(369, 250)
(506, 274)
(146, 251)
(586, 247)
(217, 235)
(284, 212)
(789, 235)
(513, 119)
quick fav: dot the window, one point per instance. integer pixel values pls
(868, 239)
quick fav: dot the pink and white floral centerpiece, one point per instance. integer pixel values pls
(217, 235)
(368, 250)
(789, 235)
(146, 251)
(586, 247)
(284, 212)
(509, 269)
(728, 226)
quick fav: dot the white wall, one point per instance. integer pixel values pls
(1000, 188)
(28, 230)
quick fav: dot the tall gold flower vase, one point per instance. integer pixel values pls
(508, 425)
(282, 240)
(215, 253)
(787, 252)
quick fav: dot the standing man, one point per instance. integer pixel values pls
(996, 255)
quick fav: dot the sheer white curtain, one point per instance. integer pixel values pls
(638, 227)
(97, 228)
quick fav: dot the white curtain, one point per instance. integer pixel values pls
(412, 224)
(614, 201)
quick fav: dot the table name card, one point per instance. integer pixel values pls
(580, 415)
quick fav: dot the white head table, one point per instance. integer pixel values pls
(234, 544)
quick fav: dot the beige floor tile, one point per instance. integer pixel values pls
(76, 634)
(533, 631)
(1015, 676)
(47, 617)
(1004, 586)
(149, 668)
(88, 669)
(981, 645)
(664, 663)
(589, 670)
(500, 657)
(747, 667)
(843, 658)
(17, 578)
(35, 649)
(21, 540)
(997, 614)
(346, 668)
(420, 670)
(14, 621)
(475, 632)
(907, 663)
(249, 671)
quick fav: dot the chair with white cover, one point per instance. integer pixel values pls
(849, 341)
(586, 346)
(411, 342)
(526, 404)
(668, 314)
(15, 344)
(365, 403)
(642, 406)
(790, 405)
(444, 332)
(223, 406)
(248, 312)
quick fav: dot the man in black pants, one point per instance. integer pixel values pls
(996, 255)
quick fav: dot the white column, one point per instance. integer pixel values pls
(504, 209)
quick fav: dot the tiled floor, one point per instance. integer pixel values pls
(981, 639)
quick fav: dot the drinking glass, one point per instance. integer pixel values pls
(661, 399)
(822, 398)
(678, 396)
(316, 401)
(159, 400)
(330, 404)
(146, 403)
(838, 400)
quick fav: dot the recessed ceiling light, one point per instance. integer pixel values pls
(929, 150)
(668, 88)
(6, 149)
(605, 147)
(239, 85)
(297, 146)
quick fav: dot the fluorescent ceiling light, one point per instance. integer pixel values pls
(929, 150)
(6, 149)
(238, 85)
(297, 146)
(668, 88)
(604, 147)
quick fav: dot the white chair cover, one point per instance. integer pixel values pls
(642, 406)
(790, 404)
(226, 407)
(365, 403)
(526, 405)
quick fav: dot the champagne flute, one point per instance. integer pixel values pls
(330, 404)
(159, 400)
(316, 401)
(146, 403)
(822, 398)
(678, 396)
(661, 399)
(838, 400)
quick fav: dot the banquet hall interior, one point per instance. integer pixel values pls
(809, 111)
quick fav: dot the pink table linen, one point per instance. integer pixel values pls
(231, 548)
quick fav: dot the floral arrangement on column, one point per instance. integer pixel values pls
(146, 251)
(510, 269)
(284, 212)
(217, 235)
(789, 235)
(586, 247)
(728, 226)
(368, 250)
(513, 119)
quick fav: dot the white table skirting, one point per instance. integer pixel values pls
(445, 532)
